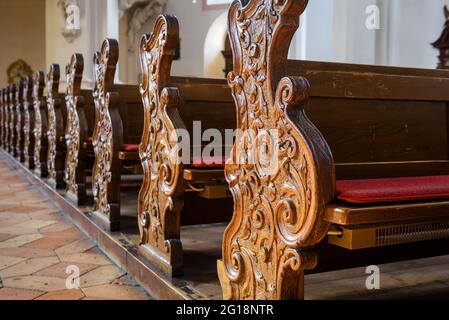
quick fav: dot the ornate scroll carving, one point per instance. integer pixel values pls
(39, 131)
(278, 210)
(28, 124)
(108, 136)
(159, 210)
(74, 100)
(2, 120)
(12, 119)
(19, 122)
(18, 70)
(55, 129)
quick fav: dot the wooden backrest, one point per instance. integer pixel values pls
(208, 101)
(131, 112)
(379, 121)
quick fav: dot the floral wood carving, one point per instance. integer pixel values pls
(6, 118)
(106, 142)
(52, 80)
(2, 120)
(28, 114)
(38, 104)
(12, 119)
(159, 210)
(19, 121)
(278, 214)
(74, 72)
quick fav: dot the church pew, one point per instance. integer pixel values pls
(340, 129)
(28, 125)
(40, 125)
(171, 107)
(19, 111)
(12, 119)
(56, 120)
(78, 133)
(117, 134)
(2, 118)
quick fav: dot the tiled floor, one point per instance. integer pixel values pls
(38, 245)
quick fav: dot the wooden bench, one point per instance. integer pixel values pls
(20, 136)
(56, 119)
(28, 127)
(3, 118)
(170, 105)
(40, 125)
(78, 133)
(361, 156)
(116, 139)
(12, 119)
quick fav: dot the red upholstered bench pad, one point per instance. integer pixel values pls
(393, 189)
(208, 162)
(131, 147)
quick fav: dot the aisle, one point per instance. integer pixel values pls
(37, 245)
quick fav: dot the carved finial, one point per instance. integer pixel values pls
(74, 74)
(280, 195)
(53, 77)
(105, 63)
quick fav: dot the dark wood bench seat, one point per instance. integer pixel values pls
(57, 118)
(179, 188)
(115, 140)
(362, 156)
(79, 127)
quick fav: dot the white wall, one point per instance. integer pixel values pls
(336, 31)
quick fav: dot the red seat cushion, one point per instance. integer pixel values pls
(393, 189)
(131, 147)
(90, 139)
(208, 162)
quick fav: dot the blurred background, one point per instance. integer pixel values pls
(36, 33)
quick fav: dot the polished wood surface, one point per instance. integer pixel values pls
(119, 121)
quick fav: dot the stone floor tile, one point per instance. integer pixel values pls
(7, 261)
(59, 270)
(20, 240)
(73, 294)
(57, 227)
(27, 252)
(4, 236)
(16, 230)
(36, 224)
(77, 246)
(50, 243)
(115, 292)
(101, 275)
(25, 209)
(46, 284)
(87, 258)
(28, 267)
(18, 294)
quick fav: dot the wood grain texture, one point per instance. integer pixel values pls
(12, 120)
(56, 113)
(278, 210)
(40, 125)
(19, 122)
(28, 128)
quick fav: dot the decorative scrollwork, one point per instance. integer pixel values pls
(52, 80)
(2, 119)
(28, 141)
(19, 121)
(279, 199)
(12, 118)
(74, 72)
(105, 63)
(38, 104)
(159, 210)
